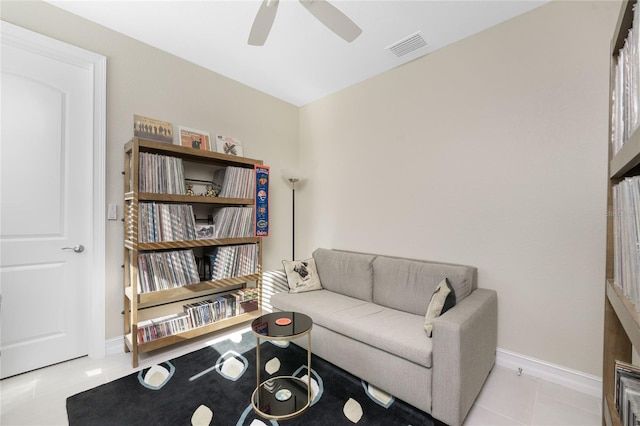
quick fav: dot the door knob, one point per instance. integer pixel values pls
(78, 249)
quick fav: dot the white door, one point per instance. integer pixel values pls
(46, 205)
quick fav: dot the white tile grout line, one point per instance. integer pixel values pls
(535, 403)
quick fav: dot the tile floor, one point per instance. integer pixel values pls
(38, 397)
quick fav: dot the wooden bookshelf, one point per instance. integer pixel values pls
(139, 305)
(621, 316)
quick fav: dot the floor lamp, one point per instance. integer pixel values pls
(293, 176)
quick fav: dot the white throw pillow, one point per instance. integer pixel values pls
(442, 299)
(302, 275)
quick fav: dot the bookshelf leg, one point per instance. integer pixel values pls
(134, 356)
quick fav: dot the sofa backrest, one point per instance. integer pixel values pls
(407, 284)
(394, 282)
(344, 272)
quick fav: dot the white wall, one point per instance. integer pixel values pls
(491, 152)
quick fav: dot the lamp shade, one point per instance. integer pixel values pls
(293, 174)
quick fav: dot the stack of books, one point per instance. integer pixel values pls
(163, 326)
(198, 314)
(209, 311)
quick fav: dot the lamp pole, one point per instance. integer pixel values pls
(293, 217)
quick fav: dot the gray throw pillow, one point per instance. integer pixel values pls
(442, 299)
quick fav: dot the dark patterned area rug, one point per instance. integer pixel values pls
(213, 386)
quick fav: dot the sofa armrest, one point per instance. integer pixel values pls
(464, 351)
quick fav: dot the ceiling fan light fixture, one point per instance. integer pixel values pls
(263, 22)
(333, 19)
(322, 10)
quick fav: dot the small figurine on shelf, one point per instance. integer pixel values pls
(211, 192)
(190, 189)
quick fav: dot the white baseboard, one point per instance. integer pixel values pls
(572, 379)
(114, 346)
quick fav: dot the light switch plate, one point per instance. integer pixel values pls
(112, 212)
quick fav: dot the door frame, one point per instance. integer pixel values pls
(97, 65)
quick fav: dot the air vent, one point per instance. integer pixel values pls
(407, 45)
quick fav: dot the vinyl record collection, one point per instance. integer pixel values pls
(232, 261)
(626, 237)
(233, 222)
(627, 393)
(165, 222)
(239, 182)
(161, 174)
(198, 314)
(163, 270)
(625, 111)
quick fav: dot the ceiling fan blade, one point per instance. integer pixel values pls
(263, 22)
(333, 19)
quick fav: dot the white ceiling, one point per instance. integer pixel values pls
(301, 60)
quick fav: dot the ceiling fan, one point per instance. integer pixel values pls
(324, 11)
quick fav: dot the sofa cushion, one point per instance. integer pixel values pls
(443, 299)
(302, 275)
(314, 303)
(399, 333)
(407, 285)
(346, 273)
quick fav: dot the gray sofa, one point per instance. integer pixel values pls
(369, 320)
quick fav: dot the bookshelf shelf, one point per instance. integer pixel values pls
(162, 342)
(189, 199)
(167, 245)
(626, 312)
(621, 316)
(156, 319)
(153, 298)
(627, 158)
(190, 154)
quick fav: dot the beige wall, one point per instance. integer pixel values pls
(491, 152)
(144, 80)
